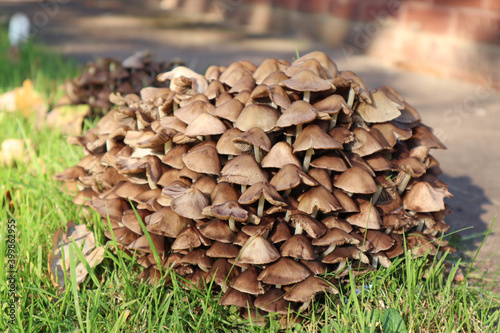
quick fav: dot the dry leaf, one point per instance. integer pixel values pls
(24, 100)
(68, 118)
(60, 242)
(12, 150)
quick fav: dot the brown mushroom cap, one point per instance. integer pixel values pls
(291, 176)
(272, 301)
(254, 192)
(225, 145)
(190, 204)
(299, 112)
(222, 250)
(227, 210)
(356, 180)
(237, 298)
(314, 137)
(307, 80)
(247, 282)
(283, 272)
(253, 137)
(299, 247)
(367, 218)
(243, 170)
(280, 155)
(218, 231)
(306, 290)
(166, 222)
(205, 124)
(257, 115)
(311, 226)
(423, 197)
(257, 251)
(203, 159)
(318, 198)
(190, 112)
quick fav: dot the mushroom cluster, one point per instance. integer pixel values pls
(107, 75)
(264, 178)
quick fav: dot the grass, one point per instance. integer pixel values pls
(414, 294)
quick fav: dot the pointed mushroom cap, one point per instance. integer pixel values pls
(225, 144)
(237, 298)
(190, 204)
(369, 144)
(335, 236)
(267, 67)
(310, 225)
(193, 110)
(344, 253)
(253, 137)
(306, 290)
(283, 272)
(298, 247)
(223, 250)
(254, 192)
(227, 210)
(166, 222)
(273, 301)
(314, 137)
(205, 124)
(336, 222)
(280, 232)
(381, 109)
(189, 238)
(203, 159)
(257, 251)
(318, 198)
(243, 170)
(330, 161)
(142, 244)
(222, 272)
(257, 115)
(367, 218)
(229, 110)
(299, 112)
(423, 136)
(423, 197)
(290, 176)
(356, 180)
(280, 155)
(247, 282)
(217, 230)
(306, 80)
(380, 240)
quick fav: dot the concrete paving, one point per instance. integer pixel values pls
(465, 117)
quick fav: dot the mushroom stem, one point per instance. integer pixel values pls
(315, 212)
(152, 185)
(208, 137)
(298, 229)
(307, 159)
(376, 195)
(375, 261)
(298, 130)
(288, 139)
(286, 193)
(260, 208)
(140, 125)
(278, 286)
(243, 188)
(304, 306)
(287, 215)
(274, 105)
(333, 121)
(168, 145)
(420, 225)
(328, 251)
(199, 137)
(307, 96)
(350, 98)
(229, 157)
(175, 106)
(256, 152)
(205, 269)
(403, 183)
(341, 266)
(388, 230)
(232, 224)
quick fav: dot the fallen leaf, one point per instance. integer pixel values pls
(24, 100)
(68, 118)
(13, 150)
(60, 243)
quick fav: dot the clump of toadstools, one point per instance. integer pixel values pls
(263, 178)
(107, 75)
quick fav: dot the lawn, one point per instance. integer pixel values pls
(416, 295)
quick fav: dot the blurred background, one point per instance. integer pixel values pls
(442, 55)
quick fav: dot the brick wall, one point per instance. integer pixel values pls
(454, 38)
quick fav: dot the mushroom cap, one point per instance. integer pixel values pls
(307, 80)
(222, 272)
(205, 124)
(272, 301)
(299, 247)
(367, 218)
(314, 137)
(243, 170)
(299, 112)
(227, 210)
(322, 177)
(191, 111)
(266, 68)
(280, 232)
(290, 176)
(306, 290)
(280, 155)
(283, 272)
(380, 240)
(254, 192)
(335, 236)
(381, 109)
(253, 137)
(189, 238)
(237, 298)
(318, 198)
(217, 230)
(356, 180)
(310, 225)
(324, 60)
(190, 204)
(257, 115)
(229, 110)
(330, 161)
(223, 192)
(203, 159)
(247, 282)
(225, 144)
(423, 197)
(166, 222)
(344, 253)
(257, 251)
(223, 250)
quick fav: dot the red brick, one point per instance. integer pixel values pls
(379, 10)
(462, 3)
(288, 4)
(346, 9)
(428, 18)
(481, 26)
(315, 6)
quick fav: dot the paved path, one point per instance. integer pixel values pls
(465, 117)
